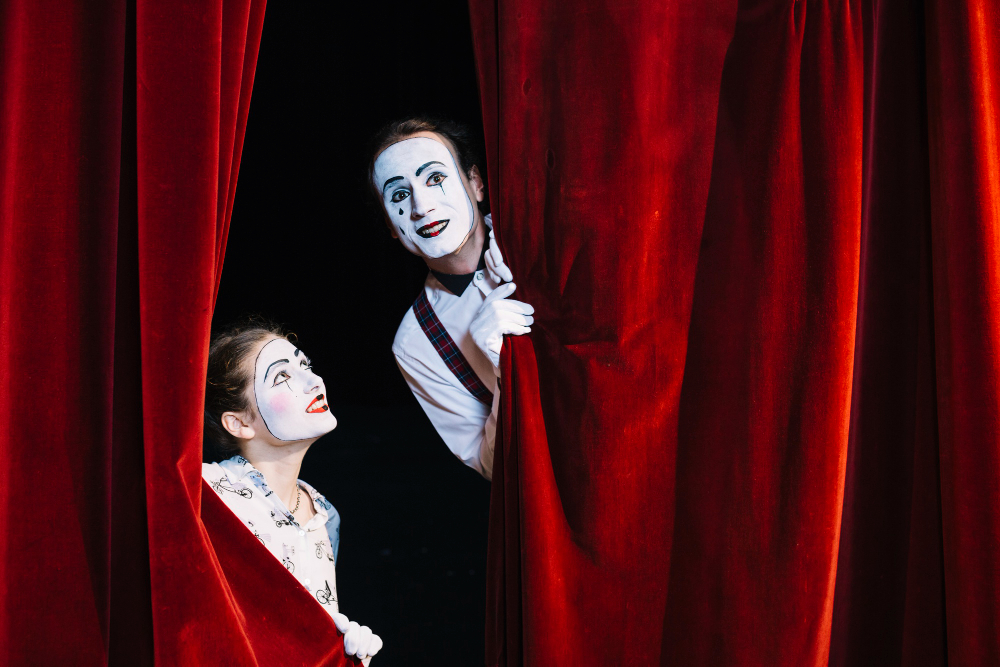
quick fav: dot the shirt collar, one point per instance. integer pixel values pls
(241, 471)
(237, 468)
(457, 284)
(320, 504)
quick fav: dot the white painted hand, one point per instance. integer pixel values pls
(498, 316)
(495, 264)
(358, 639)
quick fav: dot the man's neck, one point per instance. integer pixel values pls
(279, 465)
(465, 259)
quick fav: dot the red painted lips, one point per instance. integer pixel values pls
(433, 229)
(317, 405)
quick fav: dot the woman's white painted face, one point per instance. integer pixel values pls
(291, 399)
(424, 196)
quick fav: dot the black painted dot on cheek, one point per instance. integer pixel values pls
(401, 211)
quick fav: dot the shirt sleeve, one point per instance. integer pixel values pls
(333, 530)
(467, 427)
(490, 434)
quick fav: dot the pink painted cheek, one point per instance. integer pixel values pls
(282, 403)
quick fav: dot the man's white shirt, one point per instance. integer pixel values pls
(467, 426)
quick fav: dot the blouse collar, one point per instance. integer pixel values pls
(242, 472)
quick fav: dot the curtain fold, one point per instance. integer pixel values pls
(889, 602)
(756, 419)
(963, 80)
(765, 406)
(599, 172)
(60, 118)
(121, 128)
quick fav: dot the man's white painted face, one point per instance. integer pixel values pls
(291, 399)
(424, 196)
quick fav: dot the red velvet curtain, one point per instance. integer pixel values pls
(756, 421)
(121, 127)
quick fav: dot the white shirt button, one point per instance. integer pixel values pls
(307, 581)
(302, 532)
(479, 275)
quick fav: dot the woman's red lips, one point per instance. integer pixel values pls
(433, 229)
(317, 405)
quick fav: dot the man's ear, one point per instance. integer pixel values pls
(237, 424)
(476, 181)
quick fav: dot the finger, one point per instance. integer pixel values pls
(492, 270)
(501, 292)
(512, 306)
(505, 273)
(516, 330)
(499, 274)
(342, 622)
(494, 259)
(507, 318)
(494, 255)
(364, 640)
(525, 308)
(502, 316)
(375, 646)
(351, 638)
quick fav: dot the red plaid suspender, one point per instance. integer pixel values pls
(448, 350)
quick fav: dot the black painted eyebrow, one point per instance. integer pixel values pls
(393, 180)
(427, 164)
(305, 360)
(272, 364)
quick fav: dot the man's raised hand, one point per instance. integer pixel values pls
(498, 316)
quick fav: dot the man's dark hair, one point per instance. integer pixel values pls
(230, 373)
(467, 154)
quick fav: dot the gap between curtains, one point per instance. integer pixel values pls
(121, 128)
(756, 421)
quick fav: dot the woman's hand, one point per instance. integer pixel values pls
(359, 640)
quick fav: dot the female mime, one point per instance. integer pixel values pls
(264, 408)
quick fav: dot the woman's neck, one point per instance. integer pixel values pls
(279, 465)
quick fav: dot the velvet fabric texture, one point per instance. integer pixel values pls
(121, 128)
(756, 420)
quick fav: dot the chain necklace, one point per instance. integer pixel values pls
(298, 498)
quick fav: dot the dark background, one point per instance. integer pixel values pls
(306, 249)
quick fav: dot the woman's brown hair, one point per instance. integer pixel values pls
(230, 374)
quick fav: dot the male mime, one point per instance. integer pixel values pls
(448, 344)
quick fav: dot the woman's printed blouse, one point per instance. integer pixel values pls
(309, 552)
